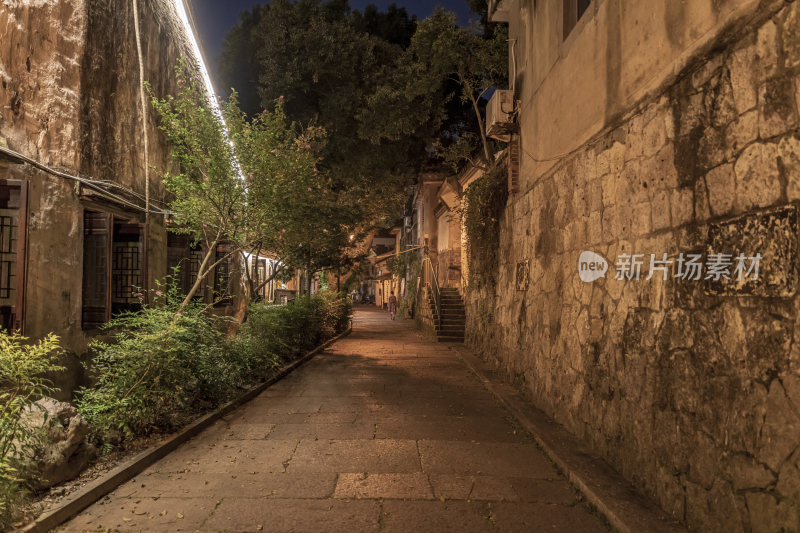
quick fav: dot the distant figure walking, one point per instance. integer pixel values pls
(392, 304)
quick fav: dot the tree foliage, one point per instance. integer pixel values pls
(435, 89)
(256, 188)
(326, 60)
(395, 95)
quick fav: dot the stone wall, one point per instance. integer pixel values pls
(691, 389)
(69, 98)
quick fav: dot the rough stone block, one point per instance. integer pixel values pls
(780, 434)
(706, 71)
(682, 204)
(746, 473)
(766, 56)
(773, 234)
(701, 209)
(661, 211)
(767, 515)
(713, 510)
(789, 157)
(594, 196)
(609, 190)
(757, 179)
(743, 130)
(616, 157)
(640, 219)
(791, 36)
(720, 184)
(789, 478)
(741, 70)
(776, 113)
(655, 137)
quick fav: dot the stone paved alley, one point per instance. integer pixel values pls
(385, 431)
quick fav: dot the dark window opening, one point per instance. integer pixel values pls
(573, 11)
(13, 246)
(113, 267)
(187, 255)
(127, 276)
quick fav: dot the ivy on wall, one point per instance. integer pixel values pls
(484, 202)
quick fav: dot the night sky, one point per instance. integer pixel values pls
(214, 18)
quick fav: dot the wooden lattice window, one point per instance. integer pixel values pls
(13, 248)
(96, 308)
(127, 276)
(113, 267)
(187, 255)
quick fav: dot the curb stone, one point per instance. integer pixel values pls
(613, 496)
(98, 488)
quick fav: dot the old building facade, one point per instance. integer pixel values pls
(644, 129)
(76, 250)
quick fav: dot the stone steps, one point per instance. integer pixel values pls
(451, 325)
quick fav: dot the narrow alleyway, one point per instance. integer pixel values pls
(385, 431)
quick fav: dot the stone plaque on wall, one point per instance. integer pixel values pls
(773, 235)
(523, 275)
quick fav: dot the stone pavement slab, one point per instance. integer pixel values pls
(385, 431)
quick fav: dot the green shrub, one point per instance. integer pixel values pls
(22, 382)
(160, 365)
(335, 312)
(278, 333)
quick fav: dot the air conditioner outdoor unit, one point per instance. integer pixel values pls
(500, 115)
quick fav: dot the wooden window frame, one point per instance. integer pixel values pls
(21, 268)
(111, 220)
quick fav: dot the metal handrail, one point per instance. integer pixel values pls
(433, 286)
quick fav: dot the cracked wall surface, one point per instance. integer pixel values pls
(691, 389)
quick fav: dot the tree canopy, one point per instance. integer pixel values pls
(258, 188)
(393, 94)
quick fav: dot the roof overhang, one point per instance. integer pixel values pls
(469, 176)
(450, 193)
(499, 10)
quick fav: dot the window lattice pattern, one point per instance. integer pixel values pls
(126, 272)
(8, 253)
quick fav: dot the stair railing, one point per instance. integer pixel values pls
(432, 283)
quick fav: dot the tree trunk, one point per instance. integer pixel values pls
(468, 90)
(202, 273)
(240, 294)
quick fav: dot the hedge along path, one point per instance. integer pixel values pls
(98, 488)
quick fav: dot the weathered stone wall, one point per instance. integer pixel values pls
(690, 388)
(69, 98)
